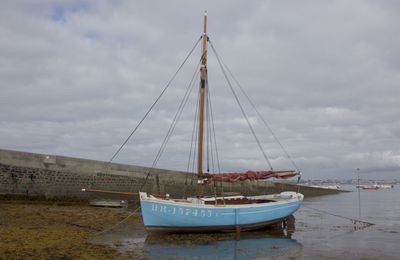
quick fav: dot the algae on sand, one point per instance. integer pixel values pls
(55, 232)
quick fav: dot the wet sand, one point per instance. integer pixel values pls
(39, 231)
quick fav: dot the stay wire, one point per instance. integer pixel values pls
(196, 129)
(195, 145)
(173, 124)
(155, 102)
(207, 130)
(163, 145)
(240, 106)
(193, 132)
(176, 118)
(261, 117)
(210, 129)
(215, 138)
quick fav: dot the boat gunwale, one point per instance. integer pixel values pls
(222, 206)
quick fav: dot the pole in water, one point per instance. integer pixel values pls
(359, 195)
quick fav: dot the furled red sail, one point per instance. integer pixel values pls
(249, 175)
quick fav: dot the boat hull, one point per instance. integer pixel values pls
(171, 216)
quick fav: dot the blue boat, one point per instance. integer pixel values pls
(202, 215)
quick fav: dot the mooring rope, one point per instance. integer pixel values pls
(119, 223)
(353, 220)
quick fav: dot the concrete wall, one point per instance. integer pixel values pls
(54, 176)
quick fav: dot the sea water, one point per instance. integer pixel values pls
(329, 226)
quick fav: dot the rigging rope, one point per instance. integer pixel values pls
(210, 131)
(190, 167)
(173, 124)
(261, 117)
(195, 135)
(193, 132)
(214, 148)
(213, 130)
(177, 117)
(240, 106)
(207, 128)
(155, 102)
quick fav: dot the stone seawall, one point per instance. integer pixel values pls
(54, 176)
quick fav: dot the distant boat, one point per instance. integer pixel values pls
(223, 213)
(370, 187)
(330, 187)
(382, 186)
(375, 186)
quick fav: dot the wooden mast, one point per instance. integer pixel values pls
(201, 116)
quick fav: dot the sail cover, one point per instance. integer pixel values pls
(249, 175)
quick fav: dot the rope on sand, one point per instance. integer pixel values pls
(119, 223)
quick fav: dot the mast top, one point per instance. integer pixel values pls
(205, 27)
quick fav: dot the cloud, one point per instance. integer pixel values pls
(77, 76)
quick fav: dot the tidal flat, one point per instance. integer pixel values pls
(43, 230)
(51, 230)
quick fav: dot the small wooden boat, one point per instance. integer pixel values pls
(205, 215)
(108, 203)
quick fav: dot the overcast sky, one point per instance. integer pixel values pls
(77, 76)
